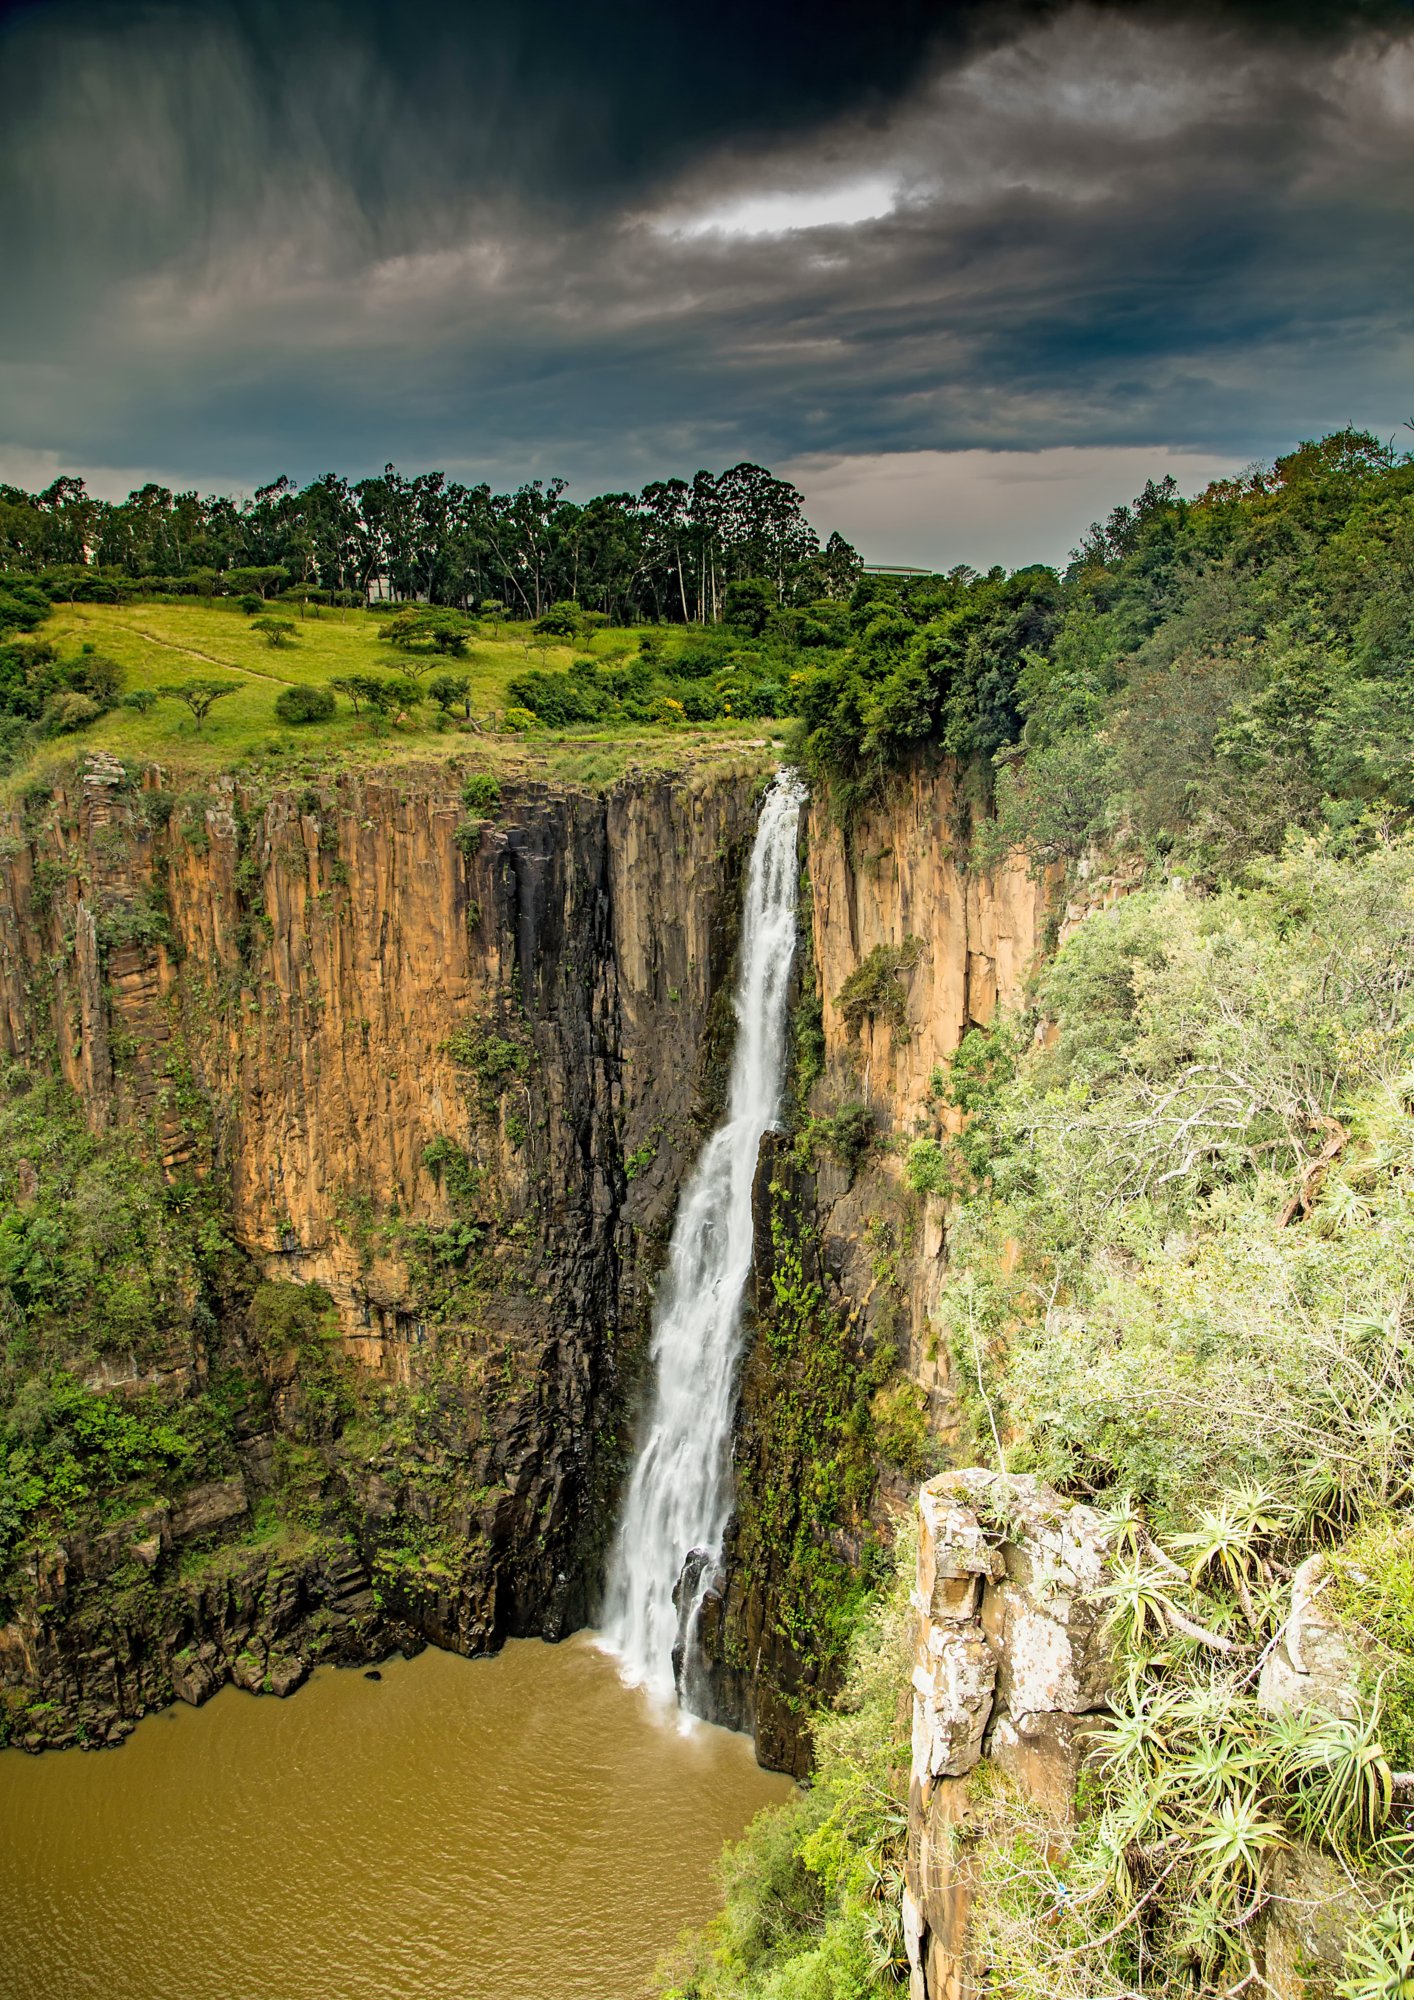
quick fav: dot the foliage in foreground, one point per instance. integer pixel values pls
(1180, 1288)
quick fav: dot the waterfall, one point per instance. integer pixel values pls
(679, 1497)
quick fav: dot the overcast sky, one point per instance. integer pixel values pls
(968, 274)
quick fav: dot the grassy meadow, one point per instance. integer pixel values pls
(159, 644)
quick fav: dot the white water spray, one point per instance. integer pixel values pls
(680, 1497)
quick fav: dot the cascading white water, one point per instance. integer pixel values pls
(679, 1497)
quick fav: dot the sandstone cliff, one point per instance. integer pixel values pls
(448, 1069)
(951, 944)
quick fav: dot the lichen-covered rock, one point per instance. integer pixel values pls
(955, 1553)
(1311, 1904)
(1011, 1663)
(954, 1676)
(1313, 1664)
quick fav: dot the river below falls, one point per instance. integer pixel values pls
(517, 1828)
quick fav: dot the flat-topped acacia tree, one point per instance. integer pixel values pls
(199, 695)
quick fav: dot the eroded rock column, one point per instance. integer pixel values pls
(1010, 1665)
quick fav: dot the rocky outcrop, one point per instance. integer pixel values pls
(1313, 1664)
(159, 1608)
(1313, 1899)
(1011, 1664)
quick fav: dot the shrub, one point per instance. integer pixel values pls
(561, 621)
(926, 1168)
(277, 631)
(428, 629)
(1050, 804)
(67, 711)
(875, 992)
(1374, 1594)
(286, 1317)
(847, 1135)
(494, 1059)
(446, 690)
(452, 1170)
(748, 604)
(302, 703)
(560, 700)
(482, 792)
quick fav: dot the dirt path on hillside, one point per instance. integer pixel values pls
(192, 653)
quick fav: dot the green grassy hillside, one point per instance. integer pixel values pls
(156, 645)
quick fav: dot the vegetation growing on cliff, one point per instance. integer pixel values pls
(146, 1369)
(812, 1465)
(1179, 1286)
(104, 1268)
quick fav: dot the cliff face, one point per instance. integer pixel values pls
(450, 1071)
(968, 938)
(949, 945)
(846, 1391)
(328, 967)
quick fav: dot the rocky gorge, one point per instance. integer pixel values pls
(442, 1070)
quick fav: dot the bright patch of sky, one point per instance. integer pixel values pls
(937, 508)
(788, 209)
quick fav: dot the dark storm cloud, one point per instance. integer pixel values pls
(626, 239)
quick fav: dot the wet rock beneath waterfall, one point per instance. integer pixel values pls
(699, 1577)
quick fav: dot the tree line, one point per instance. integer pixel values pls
(667, 554)
(1205, 674)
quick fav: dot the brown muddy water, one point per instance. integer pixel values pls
(519, 1828)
